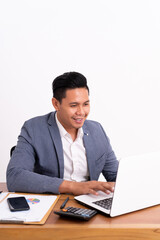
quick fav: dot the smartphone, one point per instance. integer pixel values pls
(17, 204)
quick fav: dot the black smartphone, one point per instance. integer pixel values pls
(18, 204)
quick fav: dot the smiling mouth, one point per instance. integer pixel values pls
(78, 120)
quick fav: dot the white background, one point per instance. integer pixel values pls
(115, 44)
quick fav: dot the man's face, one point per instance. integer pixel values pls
(74, 108)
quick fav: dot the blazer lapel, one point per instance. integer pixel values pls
(89, 146)
(54, 131)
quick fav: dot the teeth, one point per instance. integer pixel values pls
(78, 119)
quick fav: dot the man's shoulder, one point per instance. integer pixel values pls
(91, 124)
(94, 128)
(43, 119)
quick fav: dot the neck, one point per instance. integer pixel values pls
(73, 133)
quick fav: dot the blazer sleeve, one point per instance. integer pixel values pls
(111, 164)
(21, 175)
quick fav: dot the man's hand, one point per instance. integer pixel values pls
(78, 188)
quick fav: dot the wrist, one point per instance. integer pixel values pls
(66, 187)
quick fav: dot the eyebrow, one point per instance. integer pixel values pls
(78, 103)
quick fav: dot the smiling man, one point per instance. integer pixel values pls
(62, 152)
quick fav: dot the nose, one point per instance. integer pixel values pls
(80, 111)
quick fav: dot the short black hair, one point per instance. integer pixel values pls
(68, 80)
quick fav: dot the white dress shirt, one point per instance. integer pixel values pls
(75, 161)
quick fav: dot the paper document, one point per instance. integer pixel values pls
(39, 205)
(2, 195)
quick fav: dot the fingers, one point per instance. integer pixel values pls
(91, 191)
(78, 188)
(108, 187)
(112, 184)
(101, 186)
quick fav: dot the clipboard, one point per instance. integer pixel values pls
(45, 216)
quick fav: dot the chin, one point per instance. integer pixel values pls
(78, 126)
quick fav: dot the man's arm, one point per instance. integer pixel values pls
(78, 188)
(22, 179)
(111, 164)
(21, 175)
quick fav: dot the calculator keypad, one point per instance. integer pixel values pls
(81, 213)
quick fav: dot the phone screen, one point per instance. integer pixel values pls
(18, 204)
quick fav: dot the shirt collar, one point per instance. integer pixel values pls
(63, 131)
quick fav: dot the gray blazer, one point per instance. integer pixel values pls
(37, 163)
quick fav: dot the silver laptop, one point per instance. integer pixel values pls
(137, 187)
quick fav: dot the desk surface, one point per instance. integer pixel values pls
(143, 224)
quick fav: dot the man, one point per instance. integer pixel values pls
(62, 152)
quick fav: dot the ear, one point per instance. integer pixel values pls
(55, 103)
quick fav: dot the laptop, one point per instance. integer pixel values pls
(137, 187)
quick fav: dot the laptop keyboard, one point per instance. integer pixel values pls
(105, 203)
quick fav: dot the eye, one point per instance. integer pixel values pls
(86, 104)
(73, 105)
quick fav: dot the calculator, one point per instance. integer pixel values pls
(81, 213)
